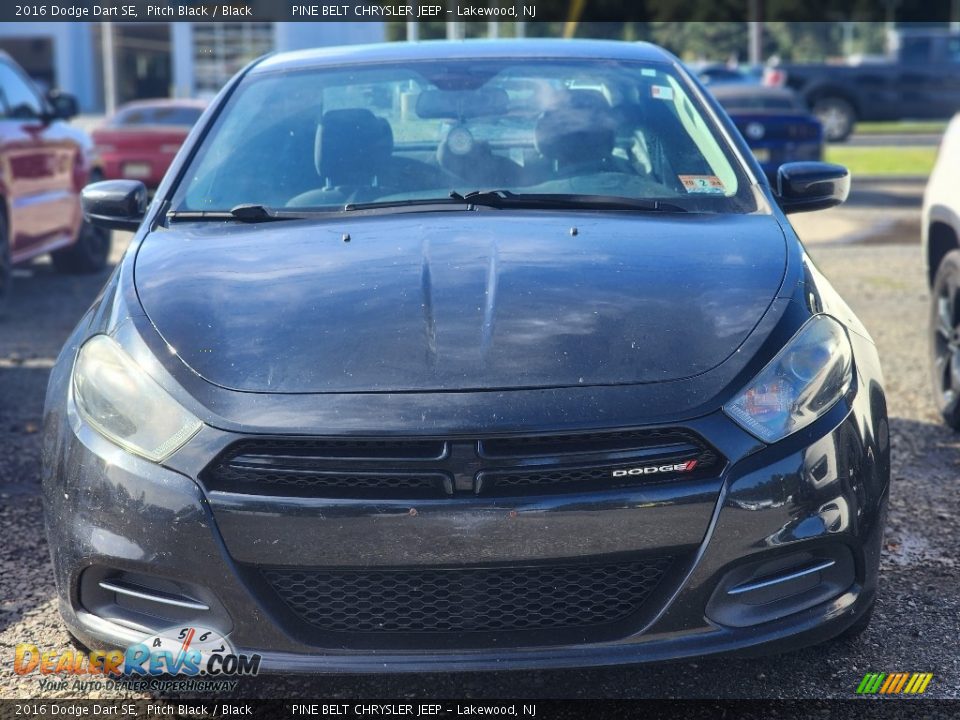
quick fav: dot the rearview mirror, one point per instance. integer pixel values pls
(807, 186)
(461, 104)
(64, 105)
(114, 204)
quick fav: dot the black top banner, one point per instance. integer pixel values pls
(476, 10)
(268, 10)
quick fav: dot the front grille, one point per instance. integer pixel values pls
(785, 129)
(333, 484)
(547, 445)
(481, 600)
(419, 468)
(307, 448)
(584, 478)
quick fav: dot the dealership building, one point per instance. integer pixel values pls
(160, 59)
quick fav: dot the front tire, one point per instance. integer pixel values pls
(89, 254)
(944, 330)
(837, 117)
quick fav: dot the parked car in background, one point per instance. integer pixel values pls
(44, 163)
(724, 74)
(774, 122)
(941, 251)
(139, 141)
(920, 81)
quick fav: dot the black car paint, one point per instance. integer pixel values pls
(478, 300)
(766, 501)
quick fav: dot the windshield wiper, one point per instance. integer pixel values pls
(549, 201)
(500, 199)
(248, 212)
(415, 203)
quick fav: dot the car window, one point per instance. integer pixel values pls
(322, 138)
(721, 75)
(18, 101)
(160, 115)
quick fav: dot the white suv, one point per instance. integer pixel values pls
(941, 249)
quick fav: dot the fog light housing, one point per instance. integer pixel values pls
(770, 589)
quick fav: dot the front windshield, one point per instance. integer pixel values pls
(325, 138)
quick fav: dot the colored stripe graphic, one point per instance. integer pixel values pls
(894, 683)
(891, 680)
(903, 681)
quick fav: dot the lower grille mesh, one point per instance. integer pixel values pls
(489, 599)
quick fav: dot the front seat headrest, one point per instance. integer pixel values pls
(352, 146)
(573, 134)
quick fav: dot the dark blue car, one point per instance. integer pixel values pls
(774, 122)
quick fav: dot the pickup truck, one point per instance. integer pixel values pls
(921, 81)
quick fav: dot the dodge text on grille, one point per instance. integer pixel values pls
(651, 469)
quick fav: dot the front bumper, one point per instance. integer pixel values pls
(821, 493)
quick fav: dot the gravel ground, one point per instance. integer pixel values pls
(915, 627)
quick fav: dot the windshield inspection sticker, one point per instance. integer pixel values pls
(663, 92)
(709, 184)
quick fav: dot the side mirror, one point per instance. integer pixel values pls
(64, 105)
(806, 186)
(114, 204)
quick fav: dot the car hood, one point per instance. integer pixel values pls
(459, 300)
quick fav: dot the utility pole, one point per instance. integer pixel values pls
(413, 30)
(755, 26)
(109, 68)
(847, 38)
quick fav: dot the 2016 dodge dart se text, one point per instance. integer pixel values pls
(467, 355)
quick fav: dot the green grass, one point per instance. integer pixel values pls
(905, 160)
(915, 127)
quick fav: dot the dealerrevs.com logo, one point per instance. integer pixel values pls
(196, 654)
(687, 466)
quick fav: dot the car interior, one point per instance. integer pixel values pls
(594, 139)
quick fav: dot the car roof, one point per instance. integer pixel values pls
(163, 102)
(746, 90)
(463, 50)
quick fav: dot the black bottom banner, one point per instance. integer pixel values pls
(540, 709)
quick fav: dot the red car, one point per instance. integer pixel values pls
(140, 140)
(44, 163)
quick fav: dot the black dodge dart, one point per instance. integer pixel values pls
(467, 355)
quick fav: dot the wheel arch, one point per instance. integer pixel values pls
(941, 238)
(5, 214)
(822, 92)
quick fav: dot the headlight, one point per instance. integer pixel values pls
(125, 405)
(812, 372)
